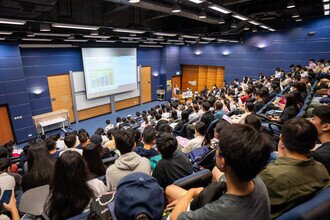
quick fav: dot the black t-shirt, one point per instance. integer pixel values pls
(258, 106)
(207, 118)
(169, 170)
(322, 155)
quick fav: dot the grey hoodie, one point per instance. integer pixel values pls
(124, 165)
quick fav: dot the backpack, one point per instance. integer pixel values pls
(198, 153)
(99, 207)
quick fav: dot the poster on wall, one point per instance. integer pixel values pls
(169, 85)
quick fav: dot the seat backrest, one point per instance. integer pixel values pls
(200, 179)
(212, 125)
(317, 208)
(208, 161)
(110, 160)
(33, 201)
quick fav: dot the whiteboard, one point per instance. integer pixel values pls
(80, 94)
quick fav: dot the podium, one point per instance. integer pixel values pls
(160, 94)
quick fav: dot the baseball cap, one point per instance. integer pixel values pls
(137, 193)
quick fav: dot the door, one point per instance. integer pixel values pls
(176, 80)
(6, 134)
(60, 94)
(146, 84)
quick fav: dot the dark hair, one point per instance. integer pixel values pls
(4, 164)
(206, 106)
(174, 115)
(83, 138)
(322, 112)
(291, 101)
(218, 105)
(137, 137)
(99, 131)
(201, 128)
(254, 121)
(83, 131)
(145, 119)
(137, 114)
(118, 119)
(299, 135)
(92, 156)
(165, 128)
(149, 135)
(70, 140)
(96, 139)
(70, 191)
(124, 140)
(185, 116)
(249, 106)
(246, 155)
(166, 145)
(50, 144)
(196, 107)
(107, 121)
(55, 137)
(158, 116)
(40, 164)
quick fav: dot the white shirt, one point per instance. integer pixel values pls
(73, 149)
(193, 144)
(166, 115)
(98, 187)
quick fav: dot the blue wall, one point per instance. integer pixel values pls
(283, 48)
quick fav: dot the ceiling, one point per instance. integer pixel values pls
(150, 16)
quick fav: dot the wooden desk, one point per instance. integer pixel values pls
(51, 121)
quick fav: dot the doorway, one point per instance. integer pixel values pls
(5, 126)
(146, 84)
(176, 80)
(60, 94)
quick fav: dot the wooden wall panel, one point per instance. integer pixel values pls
(220, 76)
(93, 112)
(189, 73)
(202, 75)
(5, 126)
(211, 76)
(127, 103)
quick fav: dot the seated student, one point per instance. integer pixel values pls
(97, 141)
(94, 161)
(84, 140)
(100, 131)
(138, 196)
(239, 119)
(109, 126)
(240, 159)
(195, 114)
(321, 120)
(218, 110)
(294, 176)
(59, 141)
(128, 162)
(149, 136)
(51, 146)
(174, 164)
(259, 101)
(207, 116)
(199, 140)
(7, 182)
(40, 167)
(111, 142)
(125, 123)
(70, 142)
(71, 192)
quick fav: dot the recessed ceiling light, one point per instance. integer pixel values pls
(2, 38)
(190, 36)
(208, 38)
(326, 12)
(295, 15)
(96, 36)
(44, 27)
(324, 1)
(176, 8)
(254, 22)
(233, 25)
(151, 46)
(36, 39)
(5, 32)
(291, 4)
(11, 21)
(51, 34)
(326, 6)
(202, 15)
(240, 17)
(164, 34)
(105, 41)
(75, 26)
(299, 19)
(75, 40)
(196, 1)
(124, 30)
(220, 9)
(133, 1)
(246, 28)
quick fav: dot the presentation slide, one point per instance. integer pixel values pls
(109, 71)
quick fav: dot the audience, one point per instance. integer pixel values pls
(174, 164)
(148, 151)
(128, 162)
(7, 182)
(199, 140)
(51, 146)
(294, 176)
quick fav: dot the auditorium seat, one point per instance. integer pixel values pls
(317, 208)
(199, 179)
(211, 127)
(181, 132)
(32, 201)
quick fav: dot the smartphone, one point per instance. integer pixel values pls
(6, 196)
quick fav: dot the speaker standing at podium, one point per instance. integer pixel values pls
(176, 90)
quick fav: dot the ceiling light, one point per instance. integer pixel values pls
(179, 44)
(75, 40)
(155, 39)
(233, 41)
(246, 28)
(96, 36)
(233, 25)
(291, 4)
(225, 53)
(264, 27)
(164, 34)
(240, 17)
(165, 43)
(222, 40)
(254, 29)
(151, 46)
(124, 30)
(11, 21)
(45, 45)
(254, 22)
(51, 34)
(299, 19)
(133, 1)
(105, 41)
(196, 1)
(220, 9)
(271, 29)
(6, 32)
(75, 26)
(150, 42)
(202, 15)
(326, 6)
(191, 41)
(130, 38)
(36, 39)
(174, 41)
(208, 38)
(221, 21)
(324, 1)
(2, 38)
(190, 36)
(295, 15)
(44, 27)
(326, 12)
(176, 8)
(203, 42)
(130, 42)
